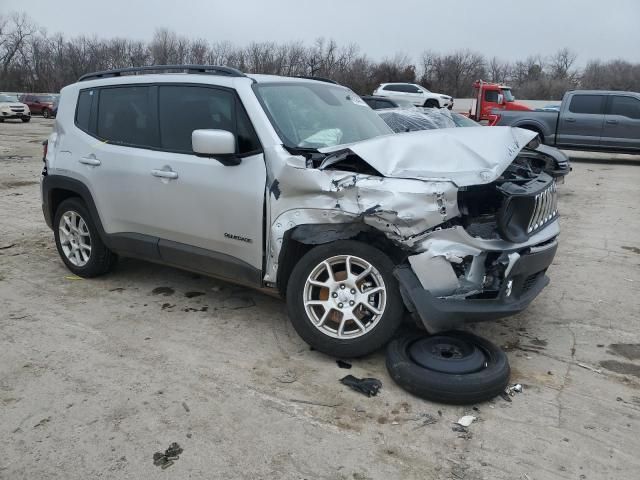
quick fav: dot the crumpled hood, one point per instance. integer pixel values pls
(464, 156)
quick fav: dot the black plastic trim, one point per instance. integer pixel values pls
(438, 314)
(208, 262)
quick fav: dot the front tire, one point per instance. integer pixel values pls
(46, 113)
(431, 103)
(343, 299)
(78, 242)
(26, 119)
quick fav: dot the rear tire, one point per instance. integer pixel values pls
(335, 313)
(431, 103)
(78, 242)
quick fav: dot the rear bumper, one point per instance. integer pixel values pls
(523, 283)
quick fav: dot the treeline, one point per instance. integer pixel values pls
(32, 60)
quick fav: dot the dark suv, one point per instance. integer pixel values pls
(40, 104)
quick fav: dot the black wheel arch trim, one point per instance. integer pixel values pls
(308, 236)
(53, 183)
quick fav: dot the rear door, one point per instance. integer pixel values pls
(582, 120)
(622, 123)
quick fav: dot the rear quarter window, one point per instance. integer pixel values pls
(83, 109)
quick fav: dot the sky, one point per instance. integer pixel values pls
(507, 29)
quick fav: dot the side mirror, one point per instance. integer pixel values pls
(500, 99)
(213, 142)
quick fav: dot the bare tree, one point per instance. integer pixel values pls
(32, 60)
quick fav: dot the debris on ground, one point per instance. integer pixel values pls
(288, 376)
(588, 367)
(505, 396)
(343, 364)
(463, 431)
(466, 420)
(170, 455)
(513, 389)
(366, 386)
(427, 419)
(186, 407)
(5, 247)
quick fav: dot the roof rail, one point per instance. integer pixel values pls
(319, 79)
(202, 69)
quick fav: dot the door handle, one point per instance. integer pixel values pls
(93, 161)
(164, 174)
(570, 120)
(612, 122)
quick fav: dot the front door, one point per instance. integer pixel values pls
(206, 215)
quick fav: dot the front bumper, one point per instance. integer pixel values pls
(523, 282)
(13, 115)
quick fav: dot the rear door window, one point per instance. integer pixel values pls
(589, 104)
(624, 106)
(127, 116)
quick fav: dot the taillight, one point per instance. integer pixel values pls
(45, 147)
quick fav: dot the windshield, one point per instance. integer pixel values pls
(8, 98)
(314, 115)
(508, 96)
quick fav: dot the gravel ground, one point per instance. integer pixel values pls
(97, 375)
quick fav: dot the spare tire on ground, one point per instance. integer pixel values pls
(450, 367)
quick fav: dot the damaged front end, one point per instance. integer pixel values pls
(471, 224)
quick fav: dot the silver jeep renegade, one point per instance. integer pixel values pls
(297, 186)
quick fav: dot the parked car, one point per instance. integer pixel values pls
(39, 104)
(416, 94)
(298, 187)
(587, 120)
(538, 156)
(384, 102)
(12, 108)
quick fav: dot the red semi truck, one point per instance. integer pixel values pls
(492, 96)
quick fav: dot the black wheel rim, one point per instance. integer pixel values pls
(448, 354)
